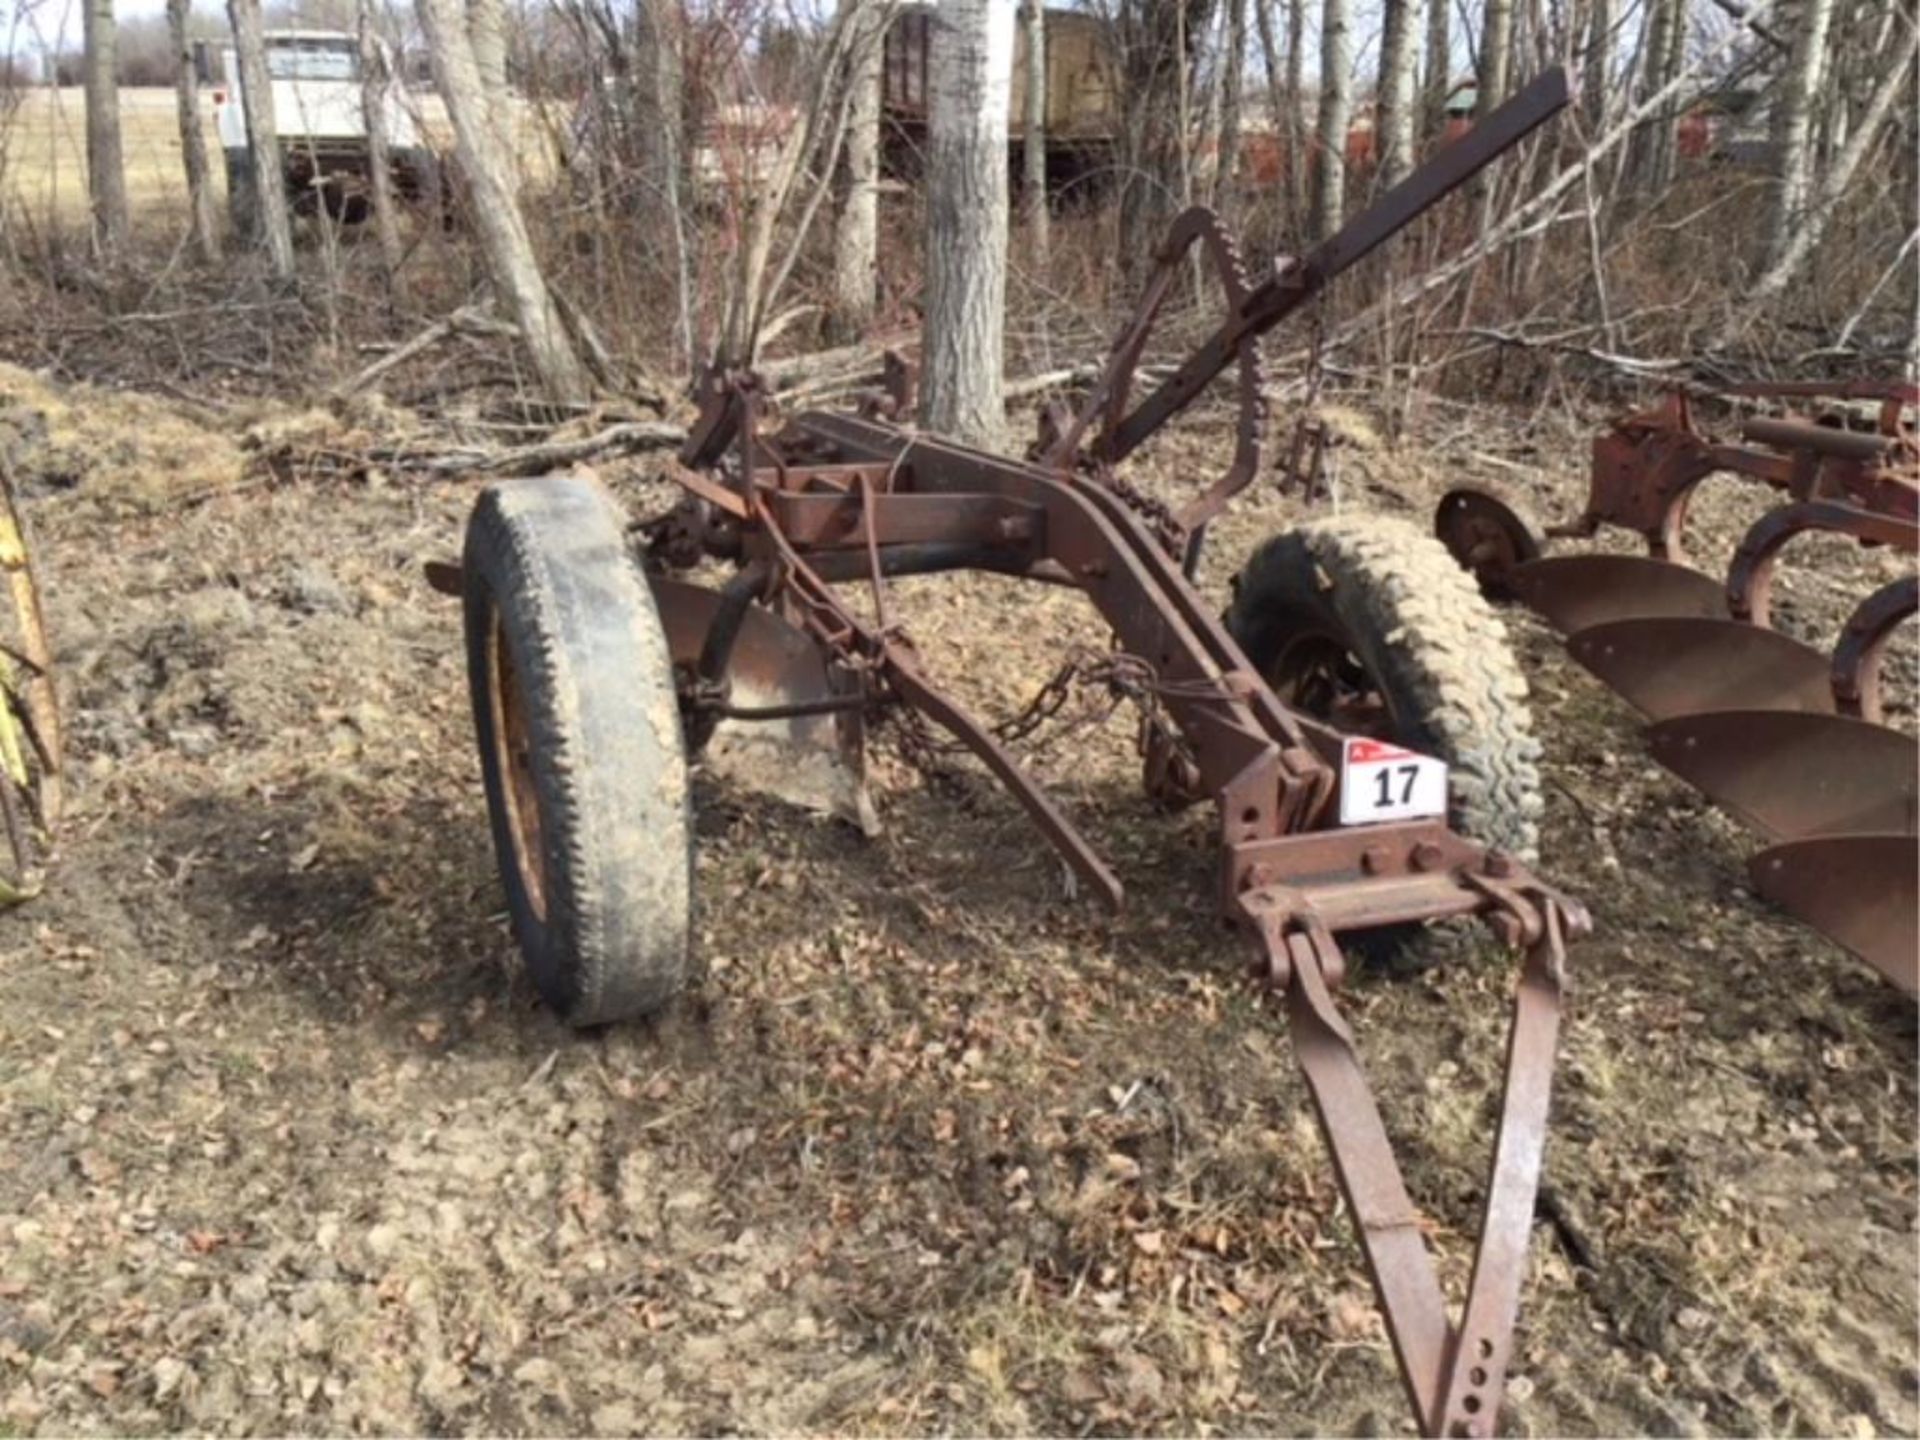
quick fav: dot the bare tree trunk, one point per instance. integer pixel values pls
(496, 212)
(1232, 93)
(1596, 71)
(1673, 59)
(374, 86)
(1299, 123)
(487, 30)
(263, 139)
(856, 230)
(660, 111)
(1811, 223)
(1792, 129)
(1496, 42)
(203, 219)
(1336, 105)
(970, 66)
(1398, 58)
(106, 174)
(1033, 140)
(1439, 64)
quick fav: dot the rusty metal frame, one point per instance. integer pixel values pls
(816, 508)
(1647, 465)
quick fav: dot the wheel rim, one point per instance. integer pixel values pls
(513, 762)
(1318, 673)
(1486, 537)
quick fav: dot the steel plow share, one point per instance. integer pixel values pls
(1786, 737)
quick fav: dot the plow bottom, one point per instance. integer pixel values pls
(1573, 592)
(1857, 888)
(1683, 665)
(1791, 775)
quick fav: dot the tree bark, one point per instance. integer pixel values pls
(1330, 150)
(660, 110)
(1496, 41)
(1793, 129)
(1672, 59)
(1299, 122)
(1036, 214)
(1439, 65)
(263, 138)
(496, 212)
(1398, 58)
(203, 219)
(1596, 71)
(375, 83)
(1232, 99)
(970, 65)
(487, 30)
(1811, 224)
(856, 230)
(106, 172)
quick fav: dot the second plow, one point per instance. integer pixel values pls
(1791, 740)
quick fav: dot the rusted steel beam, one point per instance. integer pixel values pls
(1273, 301)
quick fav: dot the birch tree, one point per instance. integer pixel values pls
(1894, 91)
(1299, 122)
(1596, 71)
(267, 211)
(856, 231)
(1398, 59)
(504, 240)
(1033, 138)
(1232, 89)
(1496, 43)
(1439, 64)
(1336, 111)
(375, 82)
(106, 173)
(970, 65)
(487, 30)
(203, 219)
(1793, 127)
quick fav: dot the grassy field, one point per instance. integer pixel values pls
(43, 152)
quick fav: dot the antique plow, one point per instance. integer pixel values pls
(1310, 716)
(1789, 739)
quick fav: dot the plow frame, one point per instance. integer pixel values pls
(815, 507)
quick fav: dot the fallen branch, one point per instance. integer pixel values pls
(467, 320)
(629, 438)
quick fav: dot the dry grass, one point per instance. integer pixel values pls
(43, 151)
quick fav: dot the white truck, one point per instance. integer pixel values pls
(320, 115)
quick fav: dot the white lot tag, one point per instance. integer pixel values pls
(1379, 781)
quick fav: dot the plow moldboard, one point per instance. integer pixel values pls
(1675, 665)
(1575, 592)
(1791, 774)
(1857, 889)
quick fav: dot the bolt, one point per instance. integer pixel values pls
(1426, 856)
(1373, 859)
(1012, 527)
(1499, 864)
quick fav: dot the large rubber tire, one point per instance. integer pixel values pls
(580, 748)
(1428, 641)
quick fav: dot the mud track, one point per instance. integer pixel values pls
(929, 1146)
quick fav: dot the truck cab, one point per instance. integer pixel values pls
(320, 115)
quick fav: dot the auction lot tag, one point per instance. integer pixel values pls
(1379, 781)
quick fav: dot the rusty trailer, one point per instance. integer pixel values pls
(1306, 720)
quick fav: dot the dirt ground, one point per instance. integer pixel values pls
(930, 1146)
